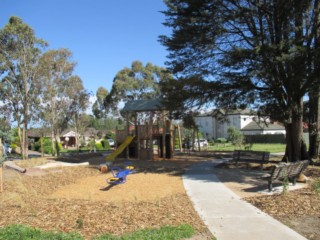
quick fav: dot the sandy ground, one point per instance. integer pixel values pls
(248, 183)
(62, 198)
(138, 187)
(153, 196)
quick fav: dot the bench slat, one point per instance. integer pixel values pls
(286, 170)
(251, 156)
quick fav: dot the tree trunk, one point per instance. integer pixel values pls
(314, 101)
(193, 138)
(24, 149)
(57, 146)
(1, 152)
(53, 143)
(313, 126)
(20, 138)
(198, 140)
(41, 144)
(1, 163)
(294, 139)
(76, 129)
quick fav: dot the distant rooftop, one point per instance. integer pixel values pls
(229, 112)
(143, 106)
(262, 126)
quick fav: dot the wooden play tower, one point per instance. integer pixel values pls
(148, 121)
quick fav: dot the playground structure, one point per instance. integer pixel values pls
(120, 149)
(149, 125)
(119, 175)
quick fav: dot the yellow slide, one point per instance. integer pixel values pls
(120, 149)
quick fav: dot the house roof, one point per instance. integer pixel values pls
(253, 126)
(143, 106)
(233, 112)
(38, 132)
(88, 132)
(223, 112)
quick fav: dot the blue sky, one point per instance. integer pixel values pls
(104, 35)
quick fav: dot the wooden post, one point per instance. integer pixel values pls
(127, 132)
(1, 164)
(172, 138)
(137, 131)
(175, 129)
(158, 135)
(163, 135)
(1, 180)
(180, 140)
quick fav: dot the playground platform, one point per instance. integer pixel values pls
(225, 214)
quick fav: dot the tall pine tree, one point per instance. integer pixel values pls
(240, 53)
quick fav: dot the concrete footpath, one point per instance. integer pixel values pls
(226, 215)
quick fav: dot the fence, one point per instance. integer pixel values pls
(265, 138)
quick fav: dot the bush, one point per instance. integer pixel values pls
(235, 136)
(176, 142)
(98, 146)
(266, 138)
(221, 140)
(13, 146)
(105, 144)
(47, 146)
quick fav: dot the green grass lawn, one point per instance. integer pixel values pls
(269, 147)
(22, 232)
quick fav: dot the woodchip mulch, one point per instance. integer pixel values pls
(79, 199)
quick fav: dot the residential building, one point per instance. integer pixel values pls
(254, 128)
(215, 124)
(68, 138)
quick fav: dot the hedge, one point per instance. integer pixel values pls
(265, 138)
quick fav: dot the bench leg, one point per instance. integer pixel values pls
(270, 185)
(294, 181)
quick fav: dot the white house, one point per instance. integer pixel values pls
(215, 124)
(254, 128)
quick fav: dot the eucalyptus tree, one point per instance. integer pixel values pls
(137, 82)
(20, 51)
(98, 108)
(77, 104)
(56, 68)
(240, 53)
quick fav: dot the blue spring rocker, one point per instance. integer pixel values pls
(119, 175)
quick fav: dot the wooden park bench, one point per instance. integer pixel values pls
(284, 171)
(251, 157)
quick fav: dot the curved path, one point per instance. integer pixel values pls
(226, 215)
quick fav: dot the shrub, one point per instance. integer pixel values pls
(266, 138)
(176, 142)
(13, 146)
(221, 140)
(98, 146)
(235, 136)
(47, 146)
(105, 144)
